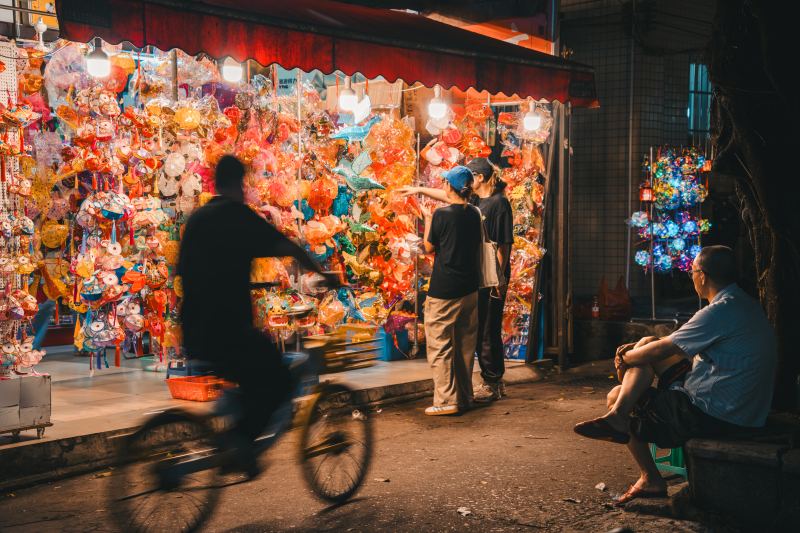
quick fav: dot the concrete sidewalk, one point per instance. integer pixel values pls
(88, 411)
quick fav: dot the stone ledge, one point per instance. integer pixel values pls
(737, 479)
(751, 453)
(791, 462)
(599, 340)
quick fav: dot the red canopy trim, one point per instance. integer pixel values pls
(329, 36)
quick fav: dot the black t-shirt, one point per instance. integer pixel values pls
(456, 233)
(219, 242)
(498, 219)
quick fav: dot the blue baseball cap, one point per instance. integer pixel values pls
(458, 177)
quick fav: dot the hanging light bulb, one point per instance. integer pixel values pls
(532, 119)
(231, 70)
(97, 62)
(437, 107)
(347, 96)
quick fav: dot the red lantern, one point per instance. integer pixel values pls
(645, 193)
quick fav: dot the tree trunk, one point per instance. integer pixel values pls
(752, 64)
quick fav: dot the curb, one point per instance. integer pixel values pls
(45, 461)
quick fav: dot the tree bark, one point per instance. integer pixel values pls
(752, 63)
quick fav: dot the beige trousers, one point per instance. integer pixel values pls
(451, 331)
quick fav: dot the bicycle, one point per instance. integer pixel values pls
(170, 476)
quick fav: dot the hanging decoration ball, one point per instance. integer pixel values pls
(677, 245)
(684, 263)
(671, 228)
(663, 264)
(690, 227)
(642, 258)
(694, 250)
(640, 219)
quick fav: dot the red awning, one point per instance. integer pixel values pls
(330, 36)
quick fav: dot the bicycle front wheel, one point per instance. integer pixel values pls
(335, 450)
(145, 500)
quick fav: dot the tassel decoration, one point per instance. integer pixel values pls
(116, 357)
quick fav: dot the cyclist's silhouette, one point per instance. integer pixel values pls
(219, 242)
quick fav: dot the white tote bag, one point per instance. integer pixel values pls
(489, 271)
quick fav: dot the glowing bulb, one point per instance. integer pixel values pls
(97, 62)
(437, 107)
(532, 119)
(347, 96)
(231, 70)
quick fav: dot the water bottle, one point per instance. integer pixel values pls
(595, 310)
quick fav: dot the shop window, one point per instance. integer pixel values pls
(699, 103)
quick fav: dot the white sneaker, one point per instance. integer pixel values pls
(487, 392)
(439, 411)
(501, 387)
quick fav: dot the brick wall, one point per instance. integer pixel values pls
(600, 191)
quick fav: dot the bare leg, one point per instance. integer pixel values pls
(650, 479)
(637, 380)
(621, 401)
(611, 399)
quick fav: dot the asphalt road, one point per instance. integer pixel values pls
(511, 463)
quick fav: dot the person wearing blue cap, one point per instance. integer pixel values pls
(453, 232)
(498, 219)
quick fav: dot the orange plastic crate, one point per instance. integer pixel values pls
(198, 389)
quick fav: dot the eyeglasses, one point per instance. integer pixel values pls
(691, 273)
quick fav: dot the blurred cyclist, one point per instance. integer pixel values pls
(219, 242)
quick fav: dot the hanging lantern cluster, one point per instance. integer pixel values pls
(675, 191)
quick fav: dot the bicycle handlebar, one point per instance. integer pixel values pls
(263, 285)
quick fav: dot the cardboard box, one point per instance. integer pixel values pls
(34, 400)
(9, 403)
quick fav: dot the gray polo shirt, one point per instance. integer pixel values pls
(735, 353)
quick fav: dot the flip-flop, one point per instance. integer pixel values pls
(600, 429)
(635, 492)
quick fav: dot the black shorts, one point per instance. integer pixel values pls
(669, 419)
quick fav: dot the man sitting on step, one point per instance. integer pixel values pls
(715, 375)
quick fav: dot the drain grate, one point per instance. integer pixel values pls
(591, 381)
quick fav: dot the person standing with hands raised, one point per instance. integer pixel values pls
(451, 309)
(498, 219)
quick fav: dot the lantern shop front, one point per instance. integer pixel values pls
(110, 141)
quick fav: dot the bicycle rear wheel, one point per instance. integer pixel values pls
(335, 451)
(142, 499)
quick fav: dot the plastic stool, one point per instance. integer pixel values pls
(670, 463)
